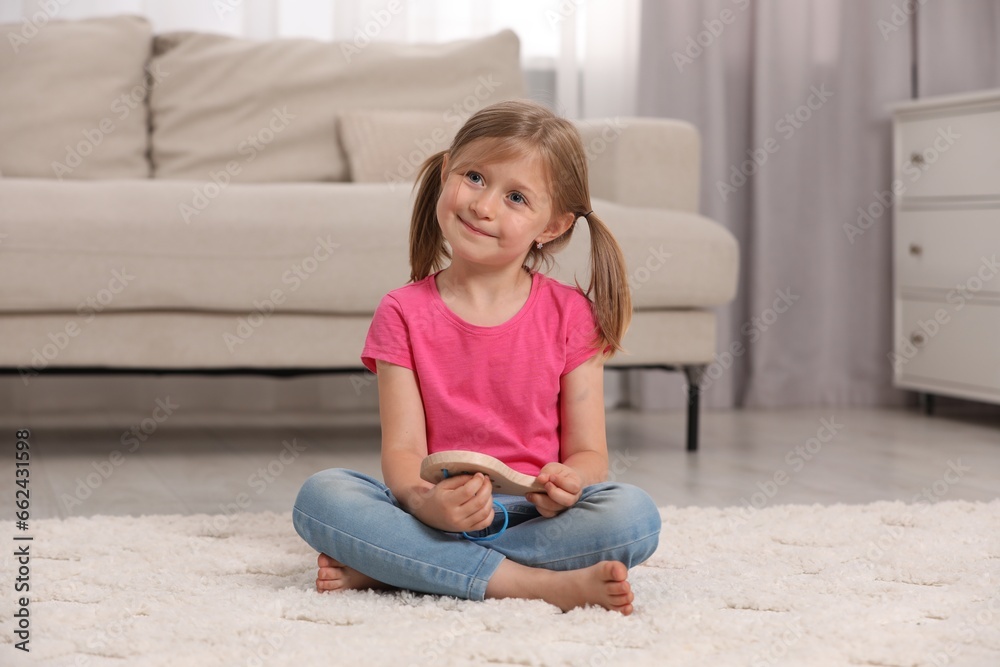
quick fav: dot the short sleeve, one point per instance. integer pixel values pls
(580, 332)
(388, 336)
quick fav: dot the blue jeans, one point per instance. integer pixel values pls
(356, 520)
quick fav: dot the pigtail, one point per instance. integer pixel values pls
(427, 248)
(609, 289)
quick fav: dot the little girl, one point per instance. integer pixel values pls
(490, 355)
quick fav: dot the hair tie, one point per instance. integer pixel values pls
(587, 214)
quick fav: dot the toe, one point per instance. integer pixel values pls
(619, 588)
(327, 585)
(327, 561)
(617, 571)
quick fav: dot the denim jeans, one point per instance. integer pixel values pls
(356, 520)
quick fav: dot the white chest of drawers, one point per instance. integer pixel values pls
(946, 245)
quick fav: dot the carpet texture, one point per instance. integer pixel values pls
(879, 584)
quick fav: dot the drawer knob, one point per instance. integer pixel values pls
(917, 338)
(916, 250)
(917, 158)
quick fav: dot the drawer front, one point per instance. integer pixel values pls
(949, 156)
(948, 342)
(948, 249)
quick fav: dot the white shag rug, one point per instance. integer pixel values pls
(879, 584)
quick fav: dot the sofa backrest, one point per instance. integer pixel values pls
(73, 99)
(104, 98)
(268, 110)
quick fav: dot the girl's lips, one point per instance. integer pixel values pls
(473, 229)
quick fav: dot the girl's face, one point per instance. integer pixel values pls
(491, 212)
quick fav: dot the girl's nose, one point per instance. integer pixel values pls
(484, 206)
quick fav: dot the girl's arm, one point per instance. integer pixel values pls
(456, 504)
(404, 433)
(584, 445)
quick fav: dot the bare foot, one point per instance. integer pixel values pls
(335, 576)
(604, 584)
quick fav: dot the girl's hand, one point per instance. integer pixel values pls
(457, 504)
(563, 487)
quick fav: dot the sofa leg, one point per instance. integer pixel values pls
(694, 375)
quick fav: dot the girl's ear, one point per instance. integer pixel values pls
(444, 168)
(564, 222)
(557, 226)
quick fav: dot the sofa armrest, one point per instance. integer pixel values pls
(646, 162)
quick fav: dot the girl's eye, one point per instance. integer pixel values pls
(519, 198)
(473, 176)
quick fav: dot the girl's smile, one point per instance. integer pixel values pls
(474, 230)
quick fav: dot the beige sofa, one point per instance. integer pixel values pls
(198, 202)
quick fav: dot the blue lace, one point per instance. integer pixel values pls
(485, 538)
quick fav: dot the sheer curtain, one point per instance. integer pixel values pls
(790, 97)
(580, 55)
(958, 47)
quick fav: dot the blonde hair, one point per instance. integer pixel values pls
(518, 128)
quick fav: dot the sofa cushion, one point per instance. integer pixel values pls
(390, 146)
(69, 252)
(194, 339)
(267, 110)
(72, 98)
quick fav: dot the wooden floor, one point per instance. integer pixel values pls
(747, 458)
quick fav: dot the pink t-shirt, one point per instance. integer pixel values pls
(487, 389)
